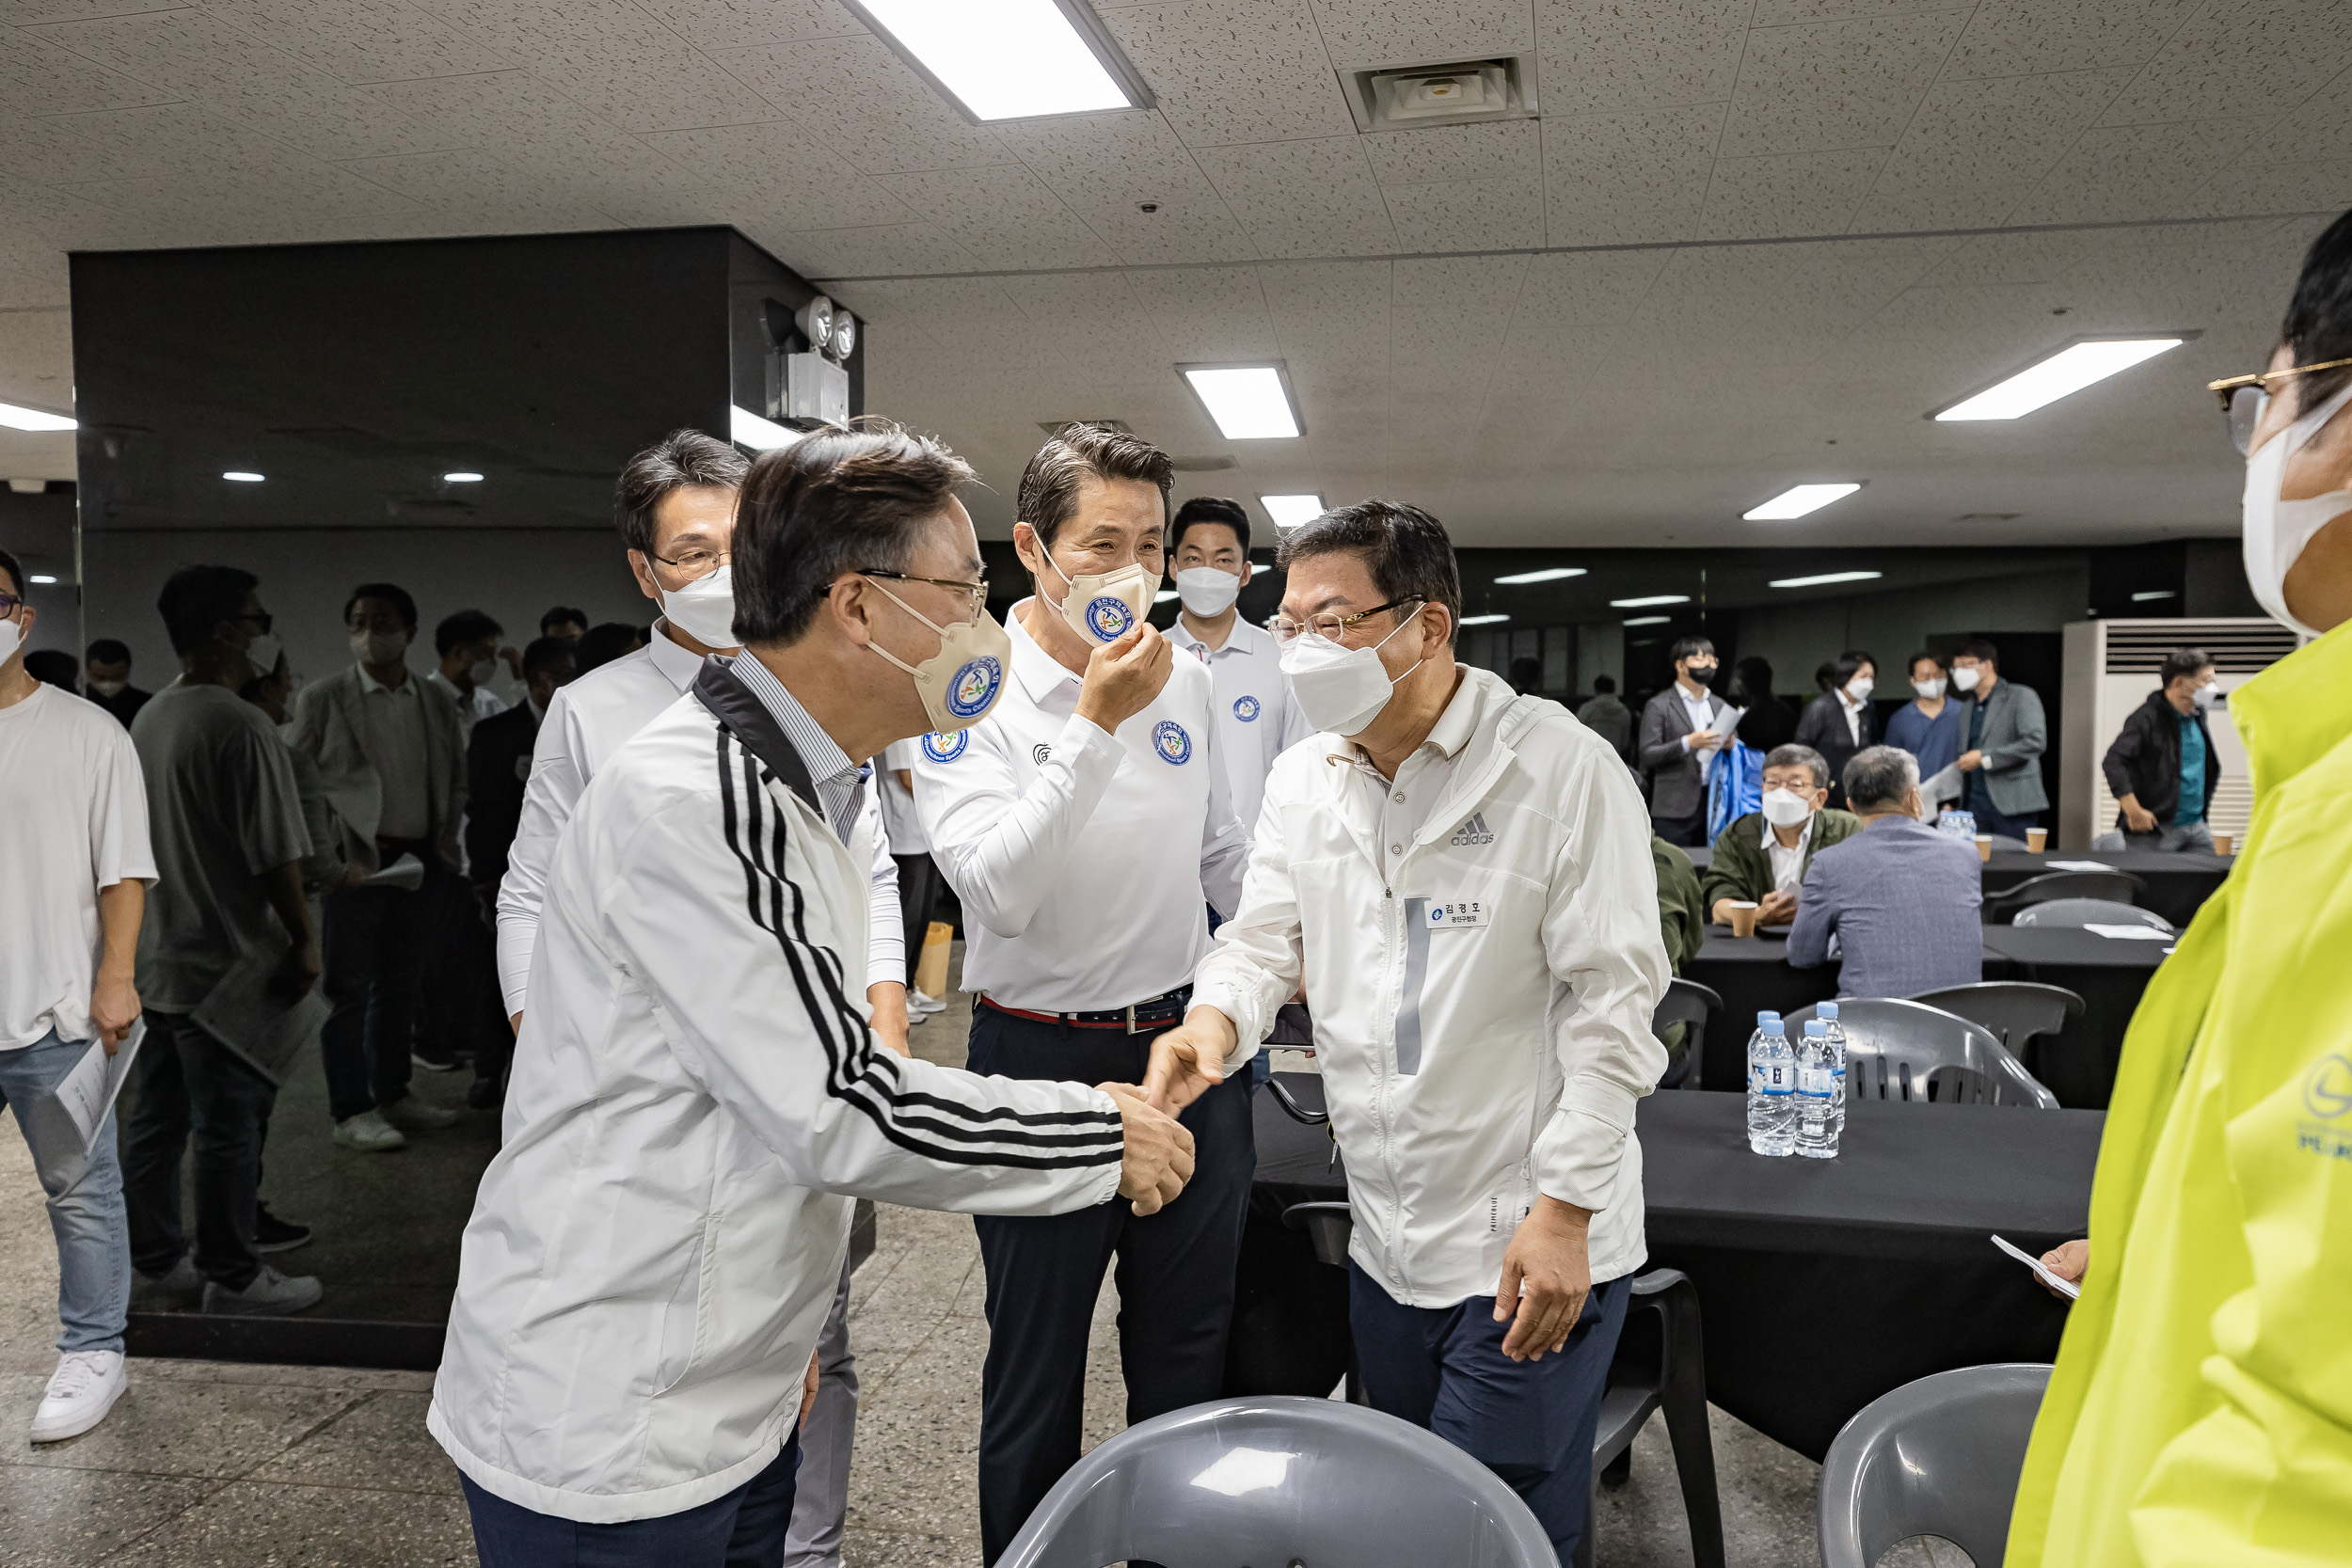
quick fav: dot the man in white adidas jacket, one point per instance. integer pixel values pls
(696, 1093)
(1463, 878)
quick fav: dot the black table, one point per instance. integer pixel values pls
(2177, 884)
(1822, 1284)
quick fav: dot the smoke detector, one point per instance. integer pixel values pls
(1400, 98)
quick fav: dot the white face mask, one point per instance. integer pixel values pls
(2276, 530)
(2205, 697)
(961, 682)
(1860, 688)
(11, 638)
(1929, 690)
(1208, 590)
(704, 609)
(1341, 690)
(1964, 678)
(104, 689)
(482, 672)
(1103, 607)
(264, 652)
(1786, 808)
(368, 647)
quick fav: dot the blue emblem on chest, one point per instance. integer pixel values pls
(945, 748)
(1244, 708)
(1169, 739)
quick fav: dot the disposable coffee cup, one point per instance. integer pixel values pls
(1984, 847)
(2037, 839)
(1743, 919)
(2223, 844)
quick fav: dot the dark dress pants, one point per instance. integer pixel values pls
(1990, 820)
(918, 891)
(188, 1083)
(375, 945)
(1689, 831)
(742, 1530)
(1175, 1276)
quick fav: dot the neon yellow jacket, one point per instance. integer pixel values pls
(2202, 1408)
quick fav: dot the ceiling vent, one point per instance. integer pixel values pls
(1405, 97)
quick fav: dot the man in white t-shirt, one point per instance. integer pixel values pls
(1257, 718)
(78, 868)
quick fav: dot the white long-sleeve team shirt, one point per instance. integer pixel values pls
(1481, 980)
(695, 1099)
(1257, 716)
(585, 724)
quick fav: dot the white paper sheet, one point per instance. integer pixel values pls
(87, 1092)
(2078, 865)
(1944, 785)
(2066, 1288)
(1725, 723)
(247, 1015)
(2131, 933)
(406, 874)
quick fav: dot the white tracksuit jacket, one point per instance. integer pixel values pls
(695, 1101)
(1482, 1018)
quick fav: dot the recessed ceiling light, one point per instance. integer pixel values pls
(1549, 573)
(2136, 598)
(41, 580)
(2050, 378)
(16, 417)
(1010, 59)
(243, 476)
(1165, 595)
(749, 429)
(1649, 620)
(461, 477)
(1816, 580)
(1249, 403)
(1288, 512)
(1483, 619)
(1645, 603)
(1796, 500)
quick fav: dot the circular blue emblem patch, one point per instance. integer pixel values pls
(1437, 914)
(1168, 737)
(945, 748)
(1109, 617)
(2328, 1092)
(1244, 708)
(975, 687)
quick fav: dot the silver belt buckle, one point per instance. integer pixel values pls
(1131, 1018)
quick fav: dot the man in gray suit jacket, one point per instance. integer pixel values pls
(2005, 736)
(386, 746)
(1675, 744)
(1901, 898)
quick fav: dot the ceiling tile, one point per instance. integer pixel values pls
(1104, 167)
(40, 76)
(1834, 83)
(1900, 209)
(1629, 178)
(1639, 53)
(1511, 149)
(740, 23)
(2321, 127)
(288, 203)
(1791, 193)
(1004, 215)
(133, 144)
(2136, 171)
(1303, 198)
(2233, 59)
(783, 174)
(660, 85)
(495, 109)
(1359, 33)
(893, 248)
(2246, 188)
(2003, 132)
(1578, 291)
(487, 188)
(25, 13)
(1208, 314)
(377, 40)
(2015, 38)
(1468, 215)
(1235, 70)
(865, 104)
(1780, 13)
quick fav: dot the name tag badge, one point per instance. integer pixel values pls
(1468, 914)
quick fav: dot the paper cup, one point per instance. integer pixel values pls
(2037, 839)
(1984, 847)
(1743, 919)
(2222, 844)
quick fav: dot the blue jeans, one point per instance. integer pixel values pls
(744, 1529)
(85, 1194)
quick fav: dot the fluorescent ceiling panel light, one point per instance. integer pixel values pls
(1249, 403)
(243, 476)
(41, 580)
(1165, 595)
(1549, 573)
(1649, 620)
(2070, 370)
(1645, 603)
(2136, 598)
(1008, 59)
(1483, 619)
(749, 429)
(1288, 512)
(1816, 581)
(461, 477)
(1796, 500)
(32, 419)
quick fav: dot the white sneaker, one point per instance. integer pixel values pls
(415, 1116)
(924, 1006)
(270, 1294)
(368, 1132)
(84, 1387)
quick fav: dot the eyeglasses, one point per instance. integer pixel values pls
(259, 618)
(2244, 398)
(1331, 627)
(974, 593)
(8, 603)
(694, 564)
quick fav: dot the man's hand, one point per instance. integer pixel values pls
(1158, 1158)
(808, 1389)
(1546, 1277)
(114, 1006)
(888, 1001)
(353, 874)
(1776, 908)
(1971, 761)
(1189, 1060)
(1702, 741)
(2070, 1261)
(2137, 816)
(296, 973)
(1123, 678)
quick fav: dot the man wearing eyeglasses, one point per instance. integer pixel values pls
(1084, 824)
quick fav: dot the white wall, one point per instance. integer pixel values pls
(1894, 626)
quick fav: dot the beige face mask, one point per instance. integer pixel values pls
(961, 682)
(1103, 607)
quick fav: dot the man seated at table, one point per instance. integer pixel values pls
(1751, 866)
(1899, 899)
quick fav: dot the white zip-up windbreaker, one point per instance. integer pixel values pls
(1483, 1019)
(695, 1100)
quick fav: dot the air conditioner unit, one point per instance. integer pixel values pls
(2111, 668)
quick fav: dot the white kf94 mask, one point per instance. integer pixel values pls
(1341, 690)
(1785, 808)
(1206, 591)
(704, 609)
(2276, 530)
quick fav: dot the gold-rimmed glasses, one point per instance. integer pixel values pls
(2244, 398)
(1328, 625)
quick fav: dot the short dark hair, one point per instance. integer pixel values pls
(2185, 661)
(682, 460)
(16, 573)
(1936, 659)
(838, 500)
(1793, 755)
(1210, 509)
(601, 644)
(563, 614)
(196, 600)
(1407, 553)
(1981, 651)
(1838, 670)
(2318, 324)
(108, 650)
(1049, 486)
(546, 652)
(1527, 674)
(391, 593)
(53, 667)
(1604, 683)
(1689, 647)
(466, 626)
(1880, 776)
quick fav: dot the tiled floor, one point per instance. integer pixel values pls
(241, 1466)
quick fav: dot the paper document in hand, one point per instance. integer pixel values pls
(2066, 1288)
(1945, 785)
(2131, 933)
(406, 874)
(248, 1016)
(87, 1092)
(1725, 723)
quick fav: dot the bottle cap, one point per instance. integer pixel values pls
(1826, 1010)
(1768, 1016)
(1814, 1026)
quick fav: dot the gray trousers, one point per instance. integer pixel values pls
(822, 1491)
(2195, 839)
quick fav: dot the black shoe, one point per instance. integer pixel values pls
(271, 1235)
(439, 1058)
(486, 1094)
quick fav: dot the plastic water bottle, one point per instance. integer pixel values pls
(1827, 1013)
(1771, 1088)
(1816, 1137)
(1959, 824)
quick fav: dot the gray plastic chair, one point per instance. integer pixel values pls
(1689, 1004)
(1937, 1457)
(1274, 1481)
(1898, 1049)
(2090, 911)
(2017, 1010)
(2121, 886)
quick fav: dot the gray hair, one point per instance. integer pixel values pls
(1793, 755)
(1880, 776)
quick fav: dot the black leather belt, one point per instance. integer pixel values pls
(1157, 1013)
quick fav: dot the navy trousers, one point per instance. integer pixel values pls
(1531, 1423)
(744, 1529)
(1175, 1275)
